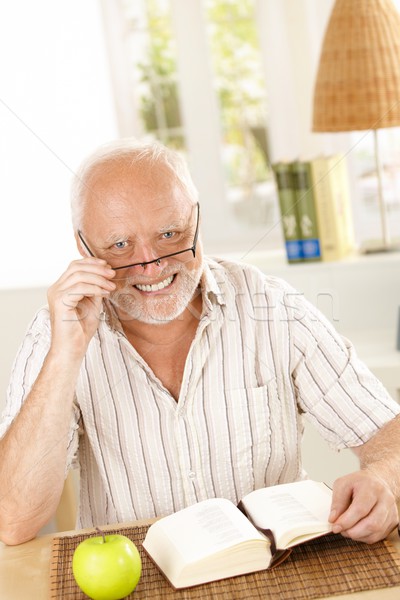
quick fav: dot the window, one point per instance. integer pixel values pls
(196, 73)
(367, 182)
(184, 62)
(236, 57)
(363, 163)
(183, 71)
(152, 58)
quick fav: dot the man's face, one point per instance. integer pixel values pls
(130, 218)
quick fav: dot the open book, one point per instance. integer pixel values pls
(214, 539)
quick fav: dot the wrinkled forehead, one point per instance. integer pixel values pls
(121, 176)
(139, 186)
(120, 194)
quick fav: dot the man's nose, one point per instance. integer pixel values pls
(151, 262)
(151, 266)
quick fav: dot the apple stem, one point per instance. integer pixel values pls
(101, 533)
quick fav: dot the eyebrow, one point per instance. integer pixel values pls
(114, 237)
(172, 226)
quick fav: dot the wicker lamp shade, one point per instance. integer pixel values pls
(358, 79)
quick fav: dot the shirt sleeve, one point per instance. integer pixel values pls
(25, 370)
(339, 395)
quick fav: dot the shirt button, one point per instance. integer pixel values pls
(192, 474)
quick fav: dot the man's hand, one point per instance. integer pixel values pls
(34, 449)
(363, 507)
(75, 303)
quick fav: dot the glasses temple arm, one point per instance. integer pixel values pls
(85, 244)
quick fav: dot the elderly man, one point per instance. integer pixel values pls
(170, 377)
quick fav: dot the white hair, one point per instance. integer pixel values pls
(132, 152)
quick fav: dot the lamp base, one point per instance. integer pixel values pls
(376, 246)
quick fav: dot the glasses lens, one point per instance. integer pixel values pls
(171, 246)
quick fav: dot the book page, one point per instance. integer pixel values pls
(205, 528)
(303, 506)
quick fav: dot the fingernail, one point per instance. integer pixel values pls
(332, 515)
(336, 529)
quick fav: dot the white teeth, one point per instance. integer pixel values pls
(156, 286)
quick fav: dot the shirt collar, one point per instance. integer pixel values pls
(211, 288)
(110, 317)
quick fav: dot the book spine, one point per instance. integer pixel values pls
(343, 184)
(331, 203)
(304, 195)
(324, 203)
(288, 210)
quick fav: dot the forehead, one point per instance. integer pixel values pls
(148, 196)
(140, 185)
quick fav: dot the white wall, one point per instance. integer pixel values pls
(55, 107)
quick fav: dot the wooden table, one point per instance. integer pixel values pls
(24, 571)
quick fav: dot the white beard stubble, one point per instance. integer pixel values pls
(163, 307)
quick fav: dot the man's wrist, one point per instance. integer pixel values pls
(64, 359)
(383, 474)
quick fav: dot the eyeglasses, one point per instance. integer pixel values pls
(155, 260)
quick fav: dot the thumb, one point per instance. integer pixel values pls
(342, 495)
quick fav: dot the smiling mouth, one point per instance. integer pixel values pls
(156, 286)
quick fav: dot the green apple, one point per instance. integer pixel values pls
(107, 567)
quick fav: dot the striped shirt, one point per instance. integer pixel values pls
(262, 359)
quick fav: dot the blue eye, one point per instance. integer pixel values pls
(121, 245)
(168, 234)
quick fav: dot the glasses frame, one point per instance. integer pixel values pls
(155, 260)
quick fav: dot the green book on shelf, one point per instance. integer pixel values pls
(288, 211)
(308, 224)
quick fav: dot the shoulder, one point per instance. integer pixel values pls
(41, 321)
(39, 327)
(256, 292)
(247, 277)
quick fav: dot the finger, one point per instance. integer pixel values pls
(82, 308)
(87, 265)
(371, 514)
(90, 307)
(375, 526)
(89, 260)
(361, 504)
(70, 301)
(342, 494)
(86, 278)
(79, 284)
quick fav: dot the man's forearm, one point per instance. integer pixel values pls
(381, 455)
(33, 452)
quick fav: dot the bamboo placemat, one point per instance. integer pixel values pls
(328, 566)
